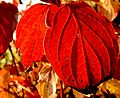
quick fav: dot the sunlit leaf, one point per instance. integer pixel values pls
(75, 39)
(30, 37)
(80, 42)
(43, 89)
(114, 87)
(109, 8)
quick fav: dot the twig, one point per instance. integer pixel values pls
(10, 92)
(13, 60)
(20, 1)
(61, 90)
(71, 93)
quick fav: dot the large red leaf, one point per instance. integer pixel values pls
(7, 25)
(109, 37)
(81, 46)
(79, 43)
(64, 21)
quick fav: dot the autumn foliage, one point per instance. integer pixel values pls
(73, 39)
(7, 25)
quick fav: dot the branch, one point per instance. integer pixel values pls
(13, 60)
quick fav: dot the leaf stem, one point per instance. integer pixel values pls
(61, 90)
(13, 60)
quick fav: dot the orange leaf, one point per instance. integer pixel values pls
(3, 79)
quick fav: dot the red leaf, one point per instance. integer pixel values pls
(79, 43)
(8, 11)
(11, 68)
(7, 25)
(108, 38)
(56, 2)
(117, 70)
(16, 2)
(81, 46)
(34, 94)
(31, 33)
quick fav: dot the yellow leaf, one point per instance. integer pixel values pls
(113, 86)
(109, 8)
(43, 89)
